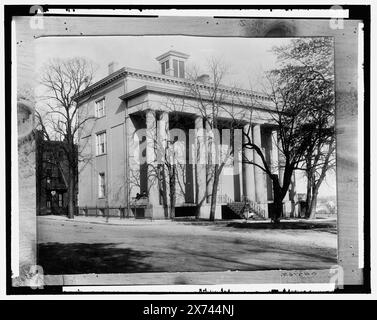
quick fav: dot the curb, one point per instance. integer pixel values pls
(143, 223)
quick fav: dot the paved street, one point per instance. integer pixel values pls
(74, 247)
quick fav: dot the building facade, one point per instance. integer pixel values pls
(139, 117)
(51, 173)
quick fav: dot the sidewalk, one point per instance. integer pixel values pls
(133, 221)
(103, 220)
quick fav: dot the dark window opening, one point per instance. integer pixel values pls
(60, 200)
(175, 67)
(181, 69)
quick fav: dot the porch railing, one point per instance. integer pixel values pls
(255, 207)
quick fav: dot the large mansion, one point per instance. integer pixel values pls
(137, 116)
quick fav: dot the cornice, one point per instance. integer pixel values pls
(157, 77)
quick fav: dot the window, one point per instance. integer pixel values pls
(165, 67)
(60, 200)
(101, 143)
(101, 185)
(48, 204)
(175, 67)
(48, 175)
(100, 108)
(179, 68)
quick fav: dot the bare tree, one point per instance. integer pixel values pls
(292, 139)
(59, 116)
(303, 114)
(307, 71)
(220, 108)
(168, 172)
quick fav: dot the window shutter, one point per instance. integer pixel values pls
(181, 69)
(175, 67)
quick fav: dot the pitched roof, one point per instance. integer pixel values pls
(172, 53)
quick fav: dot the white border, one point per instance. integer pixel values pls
(336, 12)
(360, 142)
(15, 239)
(265, 287)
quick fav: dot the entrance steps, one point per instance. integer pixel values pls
(246, 210)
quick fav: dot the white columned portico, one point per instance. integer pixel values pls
(152, 183)
(260, 179)
(248, 168)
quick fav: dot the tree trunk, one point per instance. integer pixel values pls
(71, 193)
(172, 193)
(311, 198)
(214, 193)
(277, 207)
(162, 186)
(278, 200)
(314, 184)
(309, 192)
(278, 210)
(311, 210)
(172, 205)
(172, 210)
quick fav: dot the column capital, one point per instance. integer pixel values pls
(199, 124)
(163, 115)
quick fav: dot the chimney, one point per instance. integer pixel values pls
(112, 67)
(203, 78)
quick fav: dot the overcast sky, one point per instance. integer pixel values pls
(246, 58)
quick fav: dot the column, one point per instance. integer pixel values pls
(293, 196)
(281, 163)
(209, 138)
(132, 158)
(153, 192)
(162, 145)
(260, 179)
(274, 152)
(237, 165)
(200, 161)
(248, 168)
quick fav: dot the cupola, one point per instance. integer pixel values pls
(173, 63)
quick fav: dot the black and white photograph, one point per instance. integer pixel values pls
(186, 156)
(188, 153)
